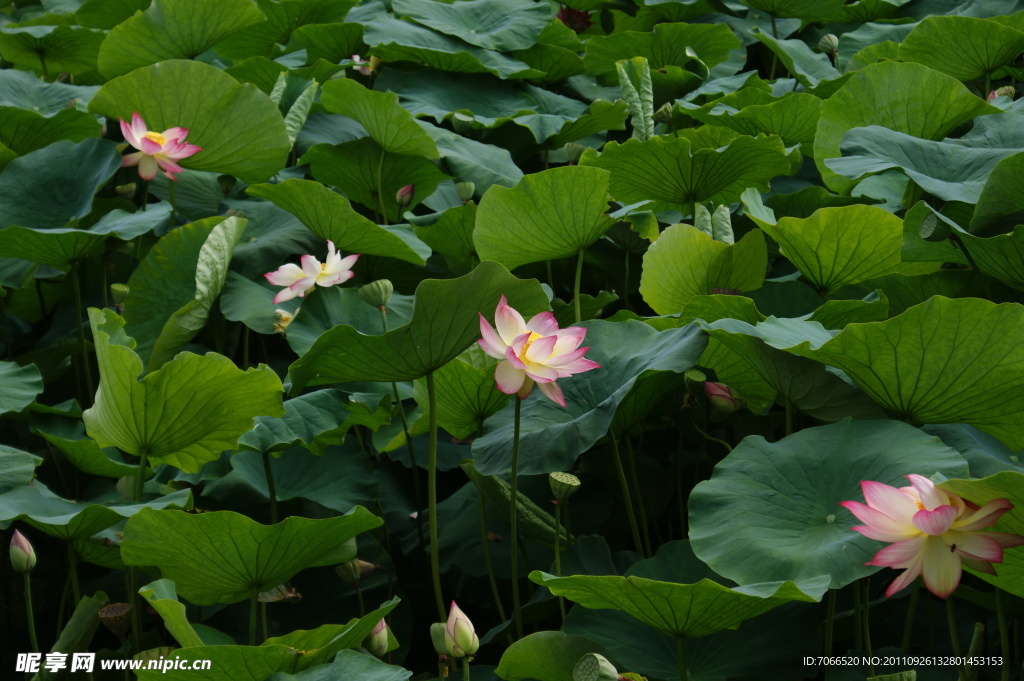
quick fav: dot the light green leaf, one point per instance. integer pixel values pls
(173, 29)
(534, 523)
(665, 46)
(500, 25)
(808, 67)
(1001, 203)
(23, 131)
(26, 91)
(192, 549)
(350, 664)
(685, 262)
(907, 98)
(17, 468)
(452, 236)
(49, 50)
(551, 214)
(963, 47)
(238, 127)
(545, 656)
(444, 323)
(184, 414)
(88, 457)
(798, 530)
(283, 18)
(472, 161)
(635, 81)
(466, 393)
(21, 385)
(793, 117)
(330, 216)
(78, 632)
(294, 97)
(163, 598)
(313, 420)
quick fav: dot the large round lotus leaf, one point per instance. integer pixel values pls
(1000, 257)
(771, 509)
(685, 262)
(556, 435)
(985, 455)
(186, 413)
(21, 385)
(1001, 204)
(17, 468)
(51, 49)
(793, 117)
(807, 10)
(444, 323)
(239, 128)
(1006, 485)
(42, 509)
(466, 395)
(963, 47)
(282, 19)
(839, 246)
(673, 170)
(173, 29)
(666, 45)
(26, 91)
(500, 25)
(907, 98)
(223, 557)
(545, 656)
(808, 67)
(551, 214)
(22, 130)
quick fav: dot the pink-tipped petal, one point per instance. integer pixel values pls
(881, 524)
(543, 323)
(175, 134)
(310, 265)
(577, 367)
(527, 388)
(513, 359)
(552, 392)
(986, 516)
(508, 378)
(940, 568)
(541, 373)
(935, 522)
(881, 535)
(490, 341)
(285, 294)
(541, 348)
(508, 322)
(286, 275)
(302, 285)
(348, 261)
(148, 167)
(978, 565)
(901, 554)
(129, 136)
(888, 500)
(1006, 539)
(149, 147)
(178, 150)
(903, 580)
(138, 128)
(975, 545)
(132, 159)
(168, 166)
(931, 496)
(569, 340)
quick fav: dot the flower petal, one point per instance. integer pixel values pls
(935, 522)
(131, 159)
(310, 265)
(986, 516)
(513, 359)
(1006, 539)
(285, 275)
(543, 323)
(508, 378)
(975, 545)
(138, 128)
(903, 580)
(552, 392)
(541, 373)
(888, 500)
(168, 166)
(175, 134)
(129, 136)
(508, 322)
(148, 167)
(150, 147)
(941, 567)
(880, 523)
(348, 261)
(541, 348)
(490, 341)
(577, 367)
(931, 496)
(569, 339)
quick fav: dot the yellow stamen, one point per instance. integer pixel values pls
(156, 137)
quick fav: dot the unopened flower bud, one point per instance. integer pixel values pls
(573, 151)
(23, 556)
(117, 617)
(460, 638)
(360, 65)
(1005, 91)
(119, 292)
(403, 197)
(594, 667)
(465, 190)
(563, 486)
(722, 397)
(437, 638)
(126, 487)
(377, 641)
(125, 191)
(349, 572)
(664, 113)
(829, 43)
(375, 64)
(282, 318)
(377, 293)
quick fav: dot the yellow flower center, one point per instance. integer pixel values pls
(532, 337)
(920, 506)
(156, 137)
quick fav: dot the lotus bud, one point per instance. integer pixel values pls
(829, 43)
(465, 190)
(377, 293)
(119, 292)
(722, 397)
(375, 64)
(126, 487)
(377, 641)
(1005, 91)
(125, 191)
(282, 318)
(460, 638)
(403, 197)
(117, 617)
(349, 572)
(573, 151)
(23, 556)
(664, 114)
(437, 638)
(563, 486)
(594, 667)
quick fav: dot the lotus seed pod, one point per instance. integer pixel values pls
(664, 114)
(377, 293)
(119, 292)
(125, 191)
(437, 638)
(403, 197)
(563, 486)
(1005, 91)
(465, 190)
(462, 123)
(573, 151)
(23, 556)
(117, 617)
(594, 667)
(829, 43)
(377, 642)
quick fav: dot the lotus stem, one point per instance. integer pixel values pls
(73, 573)
(145, 200)
(625, 282)
(263, 620)
(710, 438)
(551, 278)
(465, 669)
(858, 623)
(908, 627)
(867, 624)
(627, 498)
(81, 332)
(133, 571)
(380, 188)
(170, 191)
(635, 479)
(513, 514)
(789, 418)
(435, 563)
(1004, 635)
(681, 652)
(29, 612)
(830, 617)
(558, 553)
(271, 489)
(775, 57)
(245, 347)
(953, 637)
(576, 286)
(487, 557)
(252, 616)
(42, 66)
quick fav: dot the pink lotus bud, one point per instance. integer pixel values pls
(23, 556)
(722, 397)
(377, 641)
(1005, 91)
(460, 638)
(403, 197)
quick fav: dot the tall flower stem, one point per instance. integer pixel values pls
(635, 480)
(775, 57)
(858, 623)
(627, 498)
(576, 286)
(681, 653)
(1004, 635)
(465, 669)
(513, 516)
(81, 332)
(73, 574)
(133, 571)
(271, 488)
(953, 636)
(263, 620)
(252, 617)
(867, 624)
(145, 196)
(170, 191)
(908, 627)
(830, 621)
(29, 612)
(380, 190)
(487, 558)
(435, 562)
(558, 553)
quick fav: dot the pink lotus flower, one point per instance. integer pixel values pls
(933, 531)
(159, 150)
(536, 352)
(300, 279)
(361, 66)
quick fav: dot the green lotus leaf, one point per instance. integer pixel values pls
(17, 468)
(628, 354)
(771, 510)
(444, 323)
(21, 385)
(26, 91)
(319, 645)
(637, 91)
(365, 173)
(556, 53)
(350, 664)
(963, 47)
(107, 14)
(534, 523)
(1000, 205)
(238, 127)
(88, 457)
(186, 413)
(667, 45)
(901, 97)
(1000, 257)
(50, 50)
(685, 262)
(190, 549)
(985, 455)
(500, 25)
(162, 597)
(395, 40)
(23, 131)
(330, 216)
(466, 393)
(391, 127)
(544, 656)
(839, 246)
(836, 314)
(451, 235)
(282, 20)
(68, 520)
(810, 68)
(793, 117)
(333, 306)
(173, 29)
(808, 10)
(471, 161)
(332, 42)
(678, 171)
(865, 11)
(679, 610)
(551, 214)
(313, 420)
